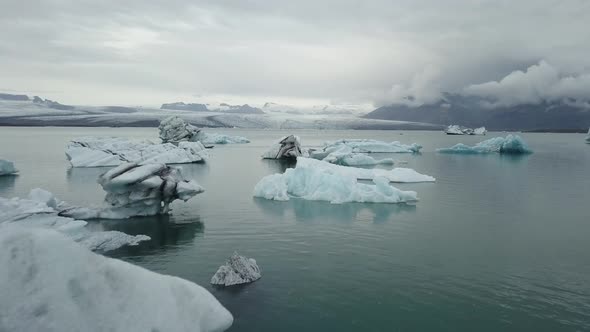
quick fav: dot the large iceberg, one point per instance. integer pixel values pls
(373, 146)
(139, 190)
(174, 130)
(7, 167)
(41, 210)
(237, 270)
(288, 147)
(318, 180)
(113, 151)
(344, 155)
(511, 144)
(49, 283)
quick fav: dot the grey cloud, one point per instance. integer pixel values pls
(348, 51)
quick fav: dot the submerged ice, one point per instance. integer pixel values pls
(237, 270)
(113, 151)
(288, 147)
(7, 167)
(42, 210)
(318, 180)
(49, 283)
(511, 144)
(139, 190)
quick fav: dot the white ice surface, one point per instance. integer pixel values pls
(237, 270)
(343, 155)
(511, 144)
(113, 151)
(215, 138)
(480, 131)
(7, 167)
(49, 283)
(318, 180)
(41, 211)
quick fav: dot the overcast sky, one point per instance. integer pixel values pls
(142, 52)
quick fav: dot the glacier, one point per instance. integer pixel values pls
(7, 168)
(138, 190)
(318, 180)
(511, 144)
(42, 210)
(174, 130)
(50, 283)
(373, 146)
(237, 270)
(344, 155)
(113, 151)
(288, 147)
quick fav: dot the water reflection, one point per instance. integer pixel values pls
(166, 231)
(279, 165)
(305, 210)
(7, 183)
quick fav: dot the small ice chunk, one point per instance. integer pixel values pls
(588, 136)
(237, 270)
(49, 283)
(7, 167)
(480, 131)
(288, 147)
(511, 144)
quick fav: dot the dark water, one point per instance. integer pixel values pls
(498, 243)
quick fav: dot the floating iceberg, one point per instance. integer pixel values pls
(459, 130)
(42, 209)
(288, 147)
(49, 283)
(237, 270)
(134, 190)
(588, 136)
(7, 167)
(175, 130)
(344, 155)
(373, 146)
(511, 144)
(318, 180)
(113, 151)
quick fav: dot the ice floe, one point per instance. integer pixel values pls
(344, 155)
(139, 190)
(41, 210)
(318, 180)
(237, 270)
(373, 146)
(173, 129)
(49, 283)
(7, 168)
(288, 147)
(511, 144)
(113, 151)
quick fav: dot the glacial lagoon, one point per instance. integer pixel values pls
(497, 243)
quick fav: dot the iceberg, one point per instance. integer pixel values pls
(7, 167)
(237, 270)
(318, 180)
(139, 190)
(511, 144)
(49, 283)
(588, 136)
(344, 155)
(373, 146)
(459, 130)
(174, 130)
(41, 210)
(288, 147)
(113, 151)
